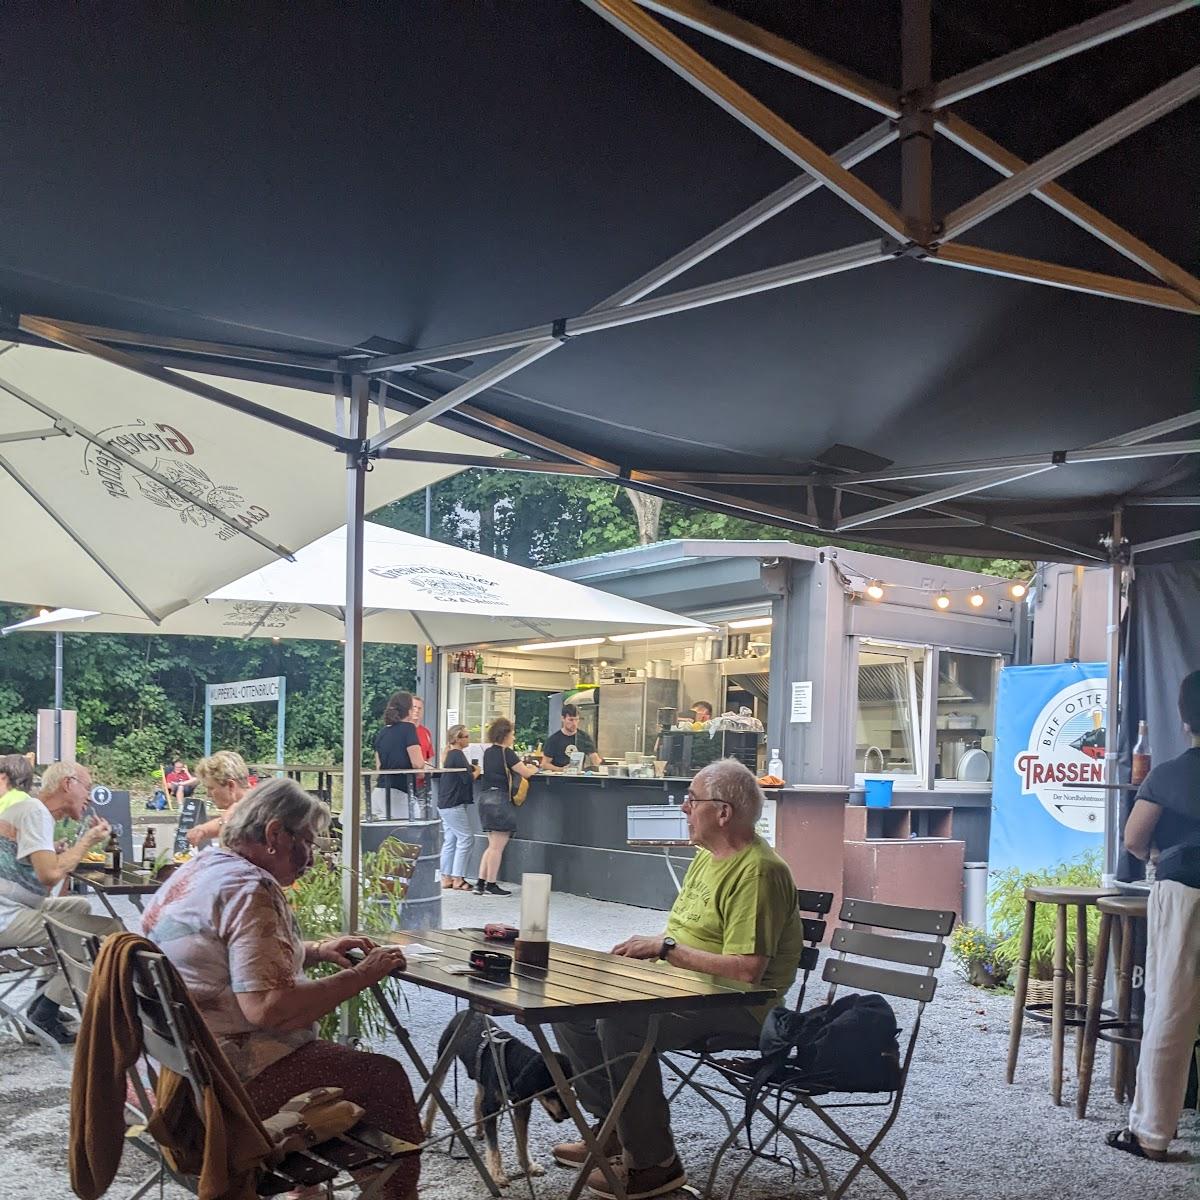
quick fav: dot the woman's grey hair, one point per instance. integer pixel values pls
(16, 769)
(282, 800)
(732, 782)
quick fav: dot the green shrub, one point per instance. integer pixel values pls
(1006, 902)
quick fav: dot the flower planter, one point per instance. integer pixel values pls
(980, 976)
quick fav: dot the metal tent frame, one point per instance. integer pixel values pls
(361, 379)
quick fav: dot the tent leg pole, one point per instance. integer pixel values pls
(1112, 798)
(356, 484)
(58, 696)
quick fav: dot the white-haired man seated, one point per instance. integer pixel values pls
(735, 917)
(30, 867)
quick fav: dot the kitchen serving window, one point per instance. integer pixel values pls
(890, 716)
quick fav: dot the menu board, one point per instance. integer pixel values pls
(114, 808)
(193, 813)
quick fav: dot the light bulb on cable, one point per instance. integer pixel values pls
(1018, 590)
(875, 589)
(943, 601)
(975, 599)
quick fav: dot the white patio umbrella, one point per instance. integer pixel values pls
(123, 493)
(414, 591)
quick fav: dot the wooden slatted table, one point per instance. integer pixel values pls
(577, 984)
(132, 882)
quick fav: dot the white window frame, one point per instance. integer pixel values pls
(918, 780)
(955, 785)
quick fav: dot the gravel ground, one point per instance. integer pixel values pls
(962, 1134)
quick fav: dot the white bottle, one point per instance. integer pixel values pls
(775, 766)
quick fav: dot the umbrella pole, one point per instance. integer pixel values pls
(1112, 797)
(356, 485)
(58, 696)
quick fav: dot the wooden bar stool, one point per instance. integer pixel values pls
(1117, 917)
(1058, 1012)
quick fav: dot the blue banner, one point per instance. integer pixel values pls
(1050, 724)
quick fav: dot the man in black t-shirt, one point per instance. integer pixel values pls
(1165, 825)
(556, 750)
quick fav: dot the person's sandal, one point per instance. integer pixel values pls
(1127, 1140)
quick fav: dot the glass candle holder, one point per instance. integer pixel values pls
(535, 907)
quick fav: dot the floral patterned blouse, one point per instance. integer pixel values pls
(226, 926)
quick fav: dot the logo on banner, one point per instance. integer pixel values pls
(1066, 749)
(449, 587)
(248, 614)
(166, 451)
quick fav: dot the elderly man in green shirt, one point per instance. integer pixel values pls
(735, 917)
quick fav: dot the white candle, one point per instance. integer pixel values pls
(535, 907)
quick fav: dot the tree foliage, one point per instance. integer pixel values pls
(140, 699)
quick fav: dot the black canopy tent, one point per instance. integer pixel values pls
(259, 192)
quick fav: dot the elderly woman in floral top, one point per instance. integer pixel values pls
(224, 922)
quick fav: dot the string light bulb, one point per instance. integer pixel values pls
(1018, 589)
(875, 589)
(975, 599)
(943, 601)
(43, 612)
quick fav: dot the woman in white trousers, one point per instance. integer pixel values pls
(1164, 825)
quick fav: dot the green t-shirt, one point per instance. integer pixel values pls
(11, 797)
(745, 904)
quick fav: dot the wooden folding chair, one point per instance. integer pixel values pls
(860, 947)
(688, 1063)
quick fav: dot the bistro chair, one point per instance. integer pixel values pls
(20, 965)
(689, 1062)
(860, 948)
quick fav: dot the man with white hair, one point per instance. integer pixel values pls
(30, 868)
(735, 917)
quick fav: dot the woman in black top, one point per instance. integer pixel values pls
(398, 747)
(455, 793)
(503, 770)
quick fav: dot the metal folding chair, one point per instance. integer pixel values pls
(687, 1064)
(20, 965)
(860, 947)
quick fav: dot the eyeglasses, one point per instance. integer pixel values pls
(690, 798)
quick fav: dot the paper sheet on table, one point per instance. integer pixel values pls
(419, 950)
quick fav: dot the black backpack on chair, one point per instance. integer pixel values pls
(851, 1045)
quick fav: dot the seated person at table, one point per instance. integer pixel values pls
(30, 868)
(1164, 825)
(735, 917)
(180, 781)
(16, 778)
(556, 750)
(226, 780)
(224, 921)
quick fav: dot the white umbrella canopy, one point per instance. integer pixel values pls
(123, 494)
(414, 591)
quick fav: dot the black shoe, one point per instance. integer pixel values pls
(45, 1015)
(478, 888)
(494, 889)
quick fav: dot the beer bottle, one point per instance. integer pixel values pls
(112, 854)
(1140, 767)
(149, 849)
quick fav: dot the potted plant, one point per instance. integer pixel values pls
(1007, 906)
(974, 951)
(316, 899)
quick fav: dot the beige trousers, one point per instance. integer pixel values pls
(1172, 1012)
(28, 928)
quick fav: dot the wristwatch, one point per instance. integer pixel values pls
(668, 945)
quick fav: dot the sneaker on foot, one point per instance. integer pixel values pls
(478, 888)
(641, 1183)
(574, 1154)
(494, 889)
(48, 1018)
